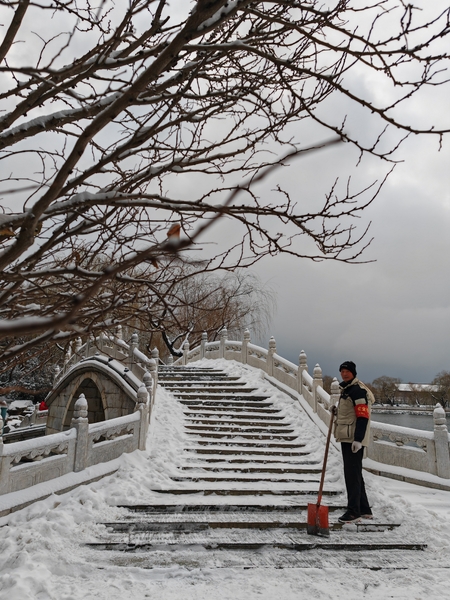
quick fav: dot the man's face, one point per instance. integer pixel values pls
(347, 375)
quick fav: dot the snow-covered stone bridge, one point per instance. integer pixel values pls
(215, 507)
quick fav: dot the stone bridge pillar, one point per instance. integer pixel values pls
(222, 342)
(81, 423)
(143, 408)
(244, 347)
(271, 352)
(441, 442)
(203, 344)
(302, 366)
(317, 380)
(185, 353)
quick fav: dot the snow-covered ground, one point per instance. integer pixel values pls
(43, 556)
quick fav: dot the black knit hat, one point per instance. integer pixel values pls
(350, 366)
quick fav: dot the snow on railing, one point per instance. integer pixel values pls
(36, 460)
(115, 347)
(413, 449)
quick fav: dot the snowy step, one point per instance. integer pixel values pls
(260, 437)
(250, 402)
(238, 477)
(268, 460)
(186, 385)
(243, 449)
(238, 409)
(244, 428)
(189, 377)
(177, 389)
(214, 417)
(219, 395)
(266, 511)
(273, 469)
(248, 491)
(190, 526)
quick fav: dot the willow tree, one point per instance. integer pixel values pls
(128, 129)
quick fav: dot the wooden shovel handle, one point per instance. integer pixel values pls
(325, 458)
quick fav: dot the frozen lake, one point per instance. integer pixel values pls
(424, 422)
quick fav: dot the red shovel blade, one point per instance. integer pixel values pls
(318, 520)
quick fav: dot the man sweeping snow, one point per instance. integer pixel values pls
(352, 429)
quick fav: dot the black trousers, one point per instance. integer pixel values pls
(357, 502)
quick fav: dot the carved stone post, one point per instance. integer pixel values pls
(134, 344)
(77, 346)
(143, 408)
(441, 442)
(185, 353)
(81, 424)
(244, 347)
(4, 464)
(170, 360)
(302, 366)
(223, 339)
(317, 380)
(68, 353)
(153, 368)
(203, 344)
(155, 355)
(147, 380)
(334, 396)
(90, 346)
(271, 352)
(119, 332)
(56, 371)
(335, 392)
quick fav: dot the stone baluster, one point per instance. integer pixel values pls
(317, 381)
(147, 380)
(270, 353)
(244, 347)
(144, 410)
(77, 347)
(68, 353)
(119, 332)
(302, 366)
(170, 360)
(134, 344)
(335, 392)
(441, 442)
(4, 463)
(185, 353)
(56, 372)
(153, 368)
(81, 423)
(203, 344)
(155, 355)
(90, 345)
(222, 342)
(101, 342)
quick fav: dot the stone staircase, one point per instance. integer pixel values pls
(244, 454)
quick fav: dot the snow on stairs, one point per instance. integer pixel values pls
(250, 461)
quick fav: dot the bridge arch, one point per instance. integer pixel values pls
(106, 392)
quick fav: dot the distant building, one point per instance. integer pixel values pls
(415, 393)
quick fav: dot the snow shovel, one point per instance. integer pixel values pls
(317, 513)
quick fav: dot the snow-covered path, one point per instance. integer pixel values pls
(43, 554)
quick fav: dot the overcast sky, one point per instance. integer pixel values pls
(391, 316)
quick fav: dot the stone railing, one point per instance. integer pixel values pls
(26, 463)
(402, 447)
(115, 347)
